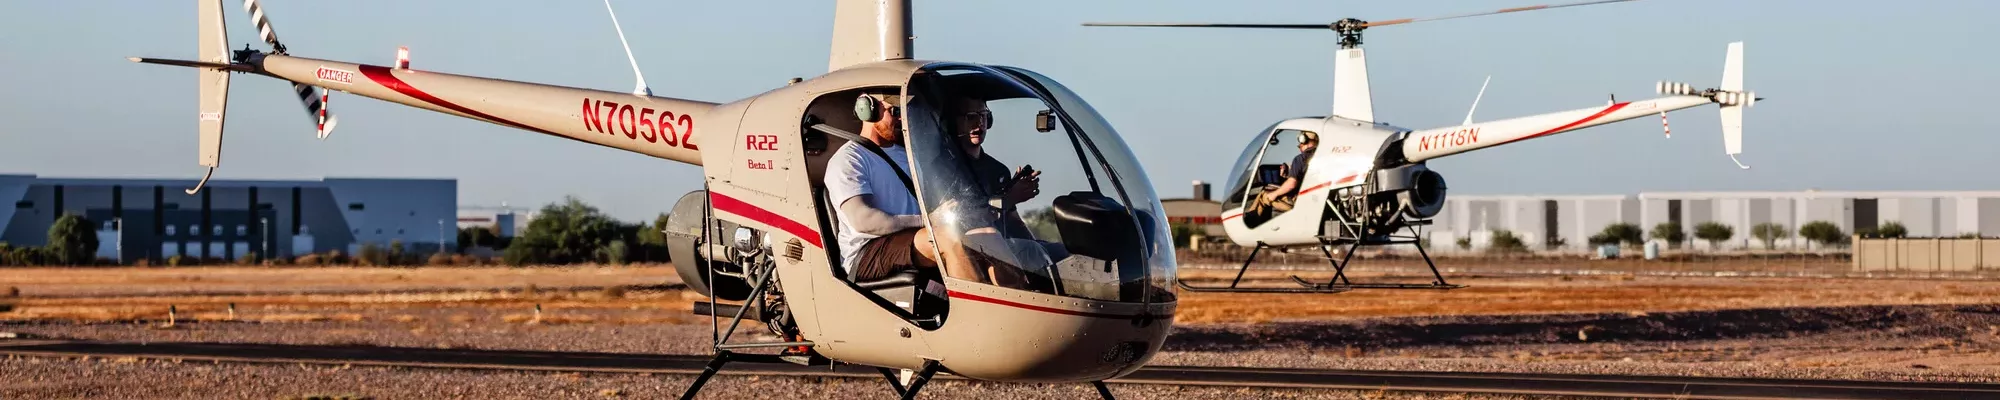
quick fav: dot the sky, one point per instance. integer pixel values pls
(1859, 95)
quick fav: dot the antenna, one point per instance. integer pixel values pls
(1475, 100)
(641, 89)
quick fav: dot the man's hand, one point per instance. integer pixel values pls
(1026, 186)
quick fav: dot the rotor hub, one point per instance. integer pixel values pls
(1350, 32)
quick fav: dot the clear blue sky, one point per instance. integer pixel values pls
(1863, 95)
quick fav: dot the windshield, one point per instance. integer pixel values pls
(1033, 194)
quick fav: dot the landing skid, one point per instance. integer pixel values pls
(1339, 282)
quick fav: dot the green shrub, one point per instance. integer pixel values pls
(1506, 242)
(1769, 233)
(1892, 229)
(72, 240)
(1825, 233)
(1714, 232)
(1670, 232)
(1621, 232)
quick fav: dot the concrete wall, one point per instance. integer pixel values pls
(1926, 255)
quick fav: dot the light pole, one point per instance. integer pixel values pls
(264, 229)
(118, 239)
(440, 236)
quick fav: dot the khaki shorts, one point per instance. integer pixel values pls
(886, 255)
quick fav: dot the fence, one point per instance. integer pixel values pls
(1926, 254)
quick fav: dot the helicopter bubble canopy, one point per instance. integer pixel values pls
(1025, 186)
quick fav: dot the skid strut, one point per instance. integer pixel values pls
(1339, 282)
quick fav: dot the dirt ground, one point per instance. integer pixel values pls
(1878, 329)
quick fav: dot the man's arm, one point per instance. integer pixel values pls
(860, 212)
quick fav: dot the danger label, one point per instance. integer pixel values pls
(325, 74)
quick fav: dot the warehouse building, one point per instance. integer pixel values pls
(1923, 213)
(1540, 219)
(153, 219)
(1537, 219)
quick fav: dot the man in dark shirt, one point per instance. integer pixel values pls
(1280, 198)
(971, 119)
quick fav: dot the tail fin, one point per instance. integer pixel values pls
(214, 90)
(1732, 108)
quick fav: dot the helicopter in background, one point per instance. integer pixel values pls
(1365, 182)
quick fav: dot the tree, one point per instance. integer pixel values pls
(1670, 232)
(1506, 242)
(1825, 233)
(1628, 234)
(1769, 233)
(72, 240)
(1892, 229)
(1714, 233)
(564, 233)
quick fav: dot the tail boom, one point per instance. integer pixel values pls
(655, 126)
(1439, 142)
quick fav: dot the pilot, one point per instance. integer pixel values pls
(971, 119)
(881, 229)
(1280, 198)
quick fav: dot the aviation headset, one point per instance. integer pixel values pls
(867, 108)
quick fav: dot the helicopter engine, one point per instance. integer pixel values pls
(1391, 197)
(696, 255)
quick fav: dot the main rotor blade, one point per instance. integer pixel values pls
(1502, 11)
(1186, 25)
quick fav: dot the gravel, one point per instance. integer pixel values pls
(55, 378)
(1947, 343)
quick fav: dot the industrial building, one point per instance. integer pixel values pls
(153, 219)
(1199, 210)
(1539, 219)
(505, 221)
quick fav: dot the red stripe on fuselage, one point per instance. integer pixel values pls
(731, 205)
(983, 299)
(382, 76)
(1592, 117)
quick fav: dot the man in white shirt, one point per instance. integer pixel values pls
(881, 224)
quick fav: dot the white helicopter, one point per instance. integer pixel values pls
(1366, 182)
(1089, 295)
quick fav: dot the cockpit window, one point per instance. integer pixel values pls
(1015, 186)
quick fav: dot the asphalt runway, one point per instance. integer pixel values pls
(1456, 382)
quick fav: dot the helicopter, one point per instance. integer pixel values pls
(1091, 294)
(1365, 182)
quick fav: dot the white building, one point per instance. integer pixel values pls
(505, 221)
(1924, 213)
(1537, 219)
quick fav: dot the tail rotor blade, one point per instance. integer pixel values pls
(263, 25)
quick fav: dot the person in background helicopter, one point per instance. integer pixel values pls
(880, 221)
(1280, 198)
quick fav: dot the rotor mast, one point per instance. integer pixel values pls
(867, 31)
